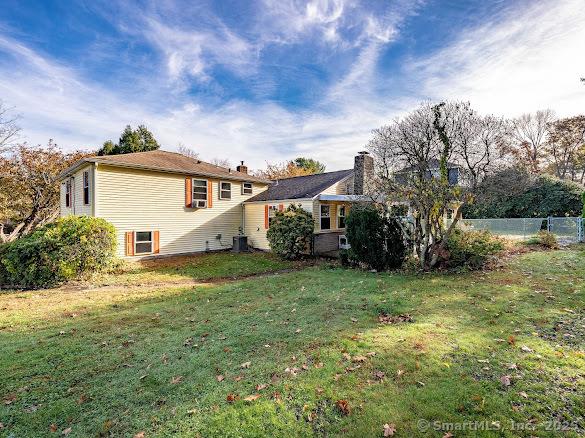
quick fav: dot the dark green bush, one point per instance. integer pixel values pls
(376, 240)
(290, 232)
(515, 193)
(471, 249)
(58, 252)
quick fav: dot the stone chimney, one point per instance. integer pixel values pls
(363, 172)
(242, 168)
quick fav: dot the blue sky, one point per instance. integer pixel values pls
(271, 80)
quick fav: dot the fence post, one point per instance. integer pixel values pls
(580, 229)
(549, 223)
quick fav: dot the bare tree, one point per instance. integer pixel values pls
(414, 156)
(566, 146)
(187, 151)
(9, 130)
(221, 162)
(530, 132)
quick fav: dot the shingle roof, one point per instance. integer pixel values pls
(167, 162)
(300, 187)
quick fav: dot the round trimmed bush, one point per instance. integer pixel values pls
(290, 232)
(57, 252)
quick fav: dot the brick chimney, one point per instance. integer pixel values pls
(363, 172)
(242, 168)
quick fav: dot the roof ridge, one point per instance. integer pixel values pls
(312, 174)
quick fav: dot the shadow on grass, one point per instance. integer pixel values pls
(112, 371)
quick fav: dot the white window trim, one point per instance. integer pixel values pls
(144, 241)
(339, 207)
(193, 199)
(321, 216)
(68, 193)
(274, 208)
(244, 188)
(86, 172)
(220, 190)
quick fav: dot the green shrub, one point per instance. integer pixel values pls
(515, 193)
(290, 232)
(471, 249)
(58, 252)
(545, 239)
(376, 240)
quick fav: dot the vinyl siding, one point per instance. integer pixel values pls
(340, 187)
(77, 207)
(254, 221)
(140, 200)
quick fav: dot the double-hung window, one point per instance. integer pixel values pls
(143, 242)
(68, 193)
(325, 217)
(225, 190)
(341, 216)
(86, 188)
(247, 188)
(200, 193)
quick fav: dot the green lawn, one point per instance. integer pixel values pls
(119, 361)
(200, 267)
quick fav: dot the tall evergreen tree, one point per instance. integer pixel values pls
(131, 140)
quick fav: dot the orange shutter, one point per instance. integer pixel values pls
(280, 207)
(156, 244)
(266, 216)
(188, 193)
(129, 243)
(209, 193)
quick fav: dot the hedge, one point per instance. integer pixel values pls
(58, 252)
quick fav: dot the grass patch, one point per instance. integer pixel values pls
(117, 361)
(198, 267)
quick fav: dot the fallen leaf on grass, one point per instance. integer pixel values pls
(343, 407)
(359, 359)
(252, 397)
(354, 319)
(389, 429)
(66, 431)
(505, 380)
(219, 378)
(230, 398)
(346, 356)
(246, 365)
(379, 375)
(319, 365)
(526, 349)
(448, 435)
(371, 353)
(399, 373)
(176, 380)
(140, 435)
(394, 319)
(523, 394)
(9, 399)
(261, 386)
(53, 428)
(298, 330)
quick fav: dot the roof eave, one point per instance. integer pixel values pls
(181, 172)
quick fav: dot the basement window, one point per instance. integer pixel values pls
(143, 242)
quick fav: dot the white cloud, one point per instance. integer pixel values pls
(529, 58)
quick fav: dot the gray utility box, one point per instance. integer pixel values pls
(240, 244)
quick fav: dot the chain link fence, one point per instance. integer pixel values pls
(567, 229)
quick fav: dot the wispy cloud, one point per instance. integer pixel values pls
(529, 57)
